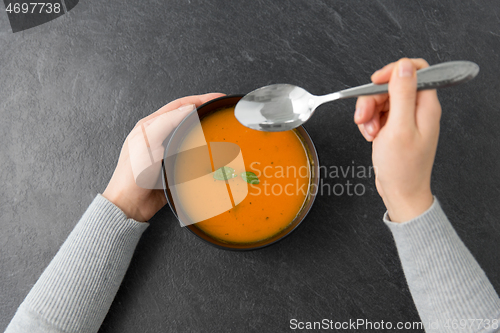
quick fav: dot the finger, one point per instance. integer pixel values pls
(428, 112)
(366, 106)
(372, 127)
(370, 131)
(364, 133)
(196, 100)
(403, 94)
(145, 145)
(384, 74)
(157, 129)
(386, 106)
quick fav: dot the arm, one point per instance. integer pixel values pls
(447, 284)
(445, 281)
(75, 291)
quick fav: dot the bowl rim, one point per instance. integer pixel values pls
(313, 152)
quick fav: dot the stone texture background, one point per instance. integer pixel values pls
(71, 90)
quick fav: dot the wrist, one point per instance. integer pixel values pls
(401, 209)
(125, 205)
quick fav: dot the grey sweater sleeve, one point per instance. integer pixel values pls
(76, 289)
(445, 281)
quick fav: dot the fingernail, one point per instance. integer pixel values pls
(368, 136)
(405, 68)
(357, 114)
(369, 128)
(187, 107)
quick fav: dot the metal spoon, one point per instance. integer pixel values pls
(281, 107)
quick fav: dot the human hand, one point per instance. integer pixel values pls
(404, 128)
(143, 151)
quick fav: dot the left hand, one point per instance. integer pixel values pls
(137, 202)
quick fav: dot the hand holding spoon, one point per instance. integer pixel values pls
(282, 107)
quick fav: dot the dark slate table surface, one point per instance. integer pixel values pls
(73, 88)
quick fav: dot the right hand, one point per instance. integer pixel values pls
(404, 128)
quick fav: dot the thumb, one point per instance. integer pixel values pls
(403, 94)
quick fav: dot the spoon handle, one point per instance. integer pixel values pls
(442, 75)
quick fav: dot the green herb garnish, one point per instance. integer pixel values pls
(224, 173)
(250, 177)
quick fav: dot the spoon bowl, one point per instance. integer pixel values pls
(277, 107)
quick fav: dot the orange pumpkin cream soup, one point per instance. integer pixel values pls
(274, 175)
